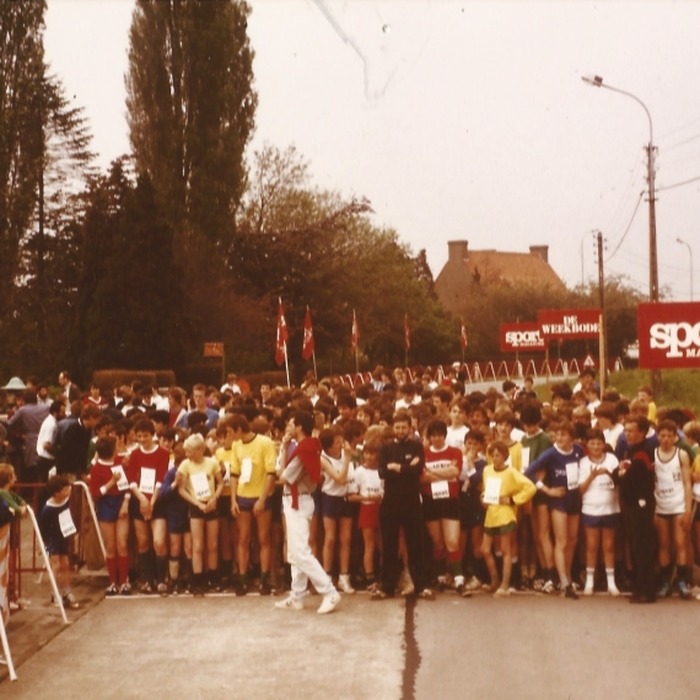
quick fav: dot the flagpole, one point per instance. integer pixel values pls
(313, 355)
(286, 364)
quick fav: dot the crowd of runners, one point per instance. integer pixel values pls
(392, 487)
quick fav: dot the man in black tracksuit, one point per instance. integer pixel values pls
(401, 463)
(636, 481)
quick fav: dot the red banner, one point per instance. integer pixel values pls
(569, 324)
(308, 346)
(669, 335)
(282, 336)
(516, 337)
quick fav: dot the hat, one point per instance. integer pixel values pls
(15, 384)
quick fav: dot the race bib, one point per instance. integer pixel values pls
(227, 473)
(492, 490)
(65, 522)
(148, 480)
(440, 489)
(525, 459)
(200, 486)
(696, 491)
(123, 482)
(572, 475)
(246, 470)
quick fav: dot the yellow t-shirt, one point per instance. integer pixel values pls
(224, 456)
(201, 477)
(251, 462)
(512, 483)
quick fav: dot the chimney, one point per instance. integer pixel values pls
(541, 251)
(458, 251)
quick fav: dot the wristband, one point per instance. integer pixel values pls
(103, 490)
(539, 485)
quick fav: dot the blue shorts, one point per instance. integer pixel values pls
(196, 514)
(569, 504)
(335, 507)
(108, 506)
(159, 512)
(247, 504)
(440, 509)
(609, 522)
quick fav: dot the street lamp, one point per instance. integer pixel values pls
(597, 81)
(690, 253)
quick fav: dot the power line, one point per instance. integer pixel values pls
(678, 184)
(629, 225)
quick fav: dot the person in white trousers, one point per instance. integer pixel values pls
(301, 473)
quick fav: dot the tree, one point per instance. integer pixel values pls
(191, 110)
(21, 73)
(131, 293)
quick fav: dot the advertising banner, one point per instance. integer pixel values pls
(569, 324)
(518, 337)
(669, 335)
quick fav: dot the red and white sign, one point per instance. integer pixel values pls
(521, 336)
(669, 335)
(569, 324)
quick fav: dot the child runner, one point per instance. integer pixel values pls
(674, 500)
(440, 493)
(368, 492)
(471, 509)
(57, 527)
(504, 488)
(146, 468)
(558, 467)
(110, 490)
(201, 486)
(600, 508)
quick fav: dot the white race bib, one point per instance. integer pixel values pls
(148, 480)
(525, 458)
(65, 522)
(440, 489)
(227, 473)
(200, 486)
(246, 470)
(492, 490)
(572, 475)
(123, 483)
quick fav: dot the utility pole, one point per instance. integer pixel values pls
(603, 337)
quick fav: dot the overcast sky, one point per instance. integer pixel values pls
(461, 120)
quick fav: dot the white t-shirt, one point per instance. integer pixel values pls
(367, 483)
(330, 486)
(601, 497)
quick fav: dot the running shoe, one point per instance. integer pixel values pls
(162, 588)
(426, 594)
(613, 590)
(146, 588)
(69, 601)
(378, 594)
(329, 604)
(664, 591)
(112, 590)
(265, 588)
(684, 590)
(344, 583)
(125, 589)
(473, 584)
(570, 592)
(501, 592)
(588, 590)
(538, 585)
(548, 587)
(289, 603)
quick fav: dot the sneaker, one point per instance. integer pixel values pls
(613, 590)
(548, 587)
(289, 603)
(125, 589)
(664, 591)
(112, 590)
(408, 588)
(569, 592)
(146, 588)
(344, 584)
(538, 585)
(473, 584)
(501, 592)
(378, 594)
(426, 594)
(69, 601)
(162, 588)
(329, 603)
(444, 581)
(265, 588)
(240, 589)
(684, 590)
(588, 590)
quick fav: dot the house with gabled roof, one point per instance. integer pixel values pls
(465, 267)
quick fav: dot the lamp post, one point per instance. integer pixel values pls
(597, 81)
(690, 253)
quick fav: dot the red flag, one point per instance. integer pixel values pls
(406, 333)
(463, 336)
(282, 336)
(355, 339)
(308, 347)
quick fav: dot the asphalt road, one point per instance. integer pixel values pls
(527, 646)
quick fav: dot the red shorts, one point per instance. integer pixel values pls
(369, 516)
